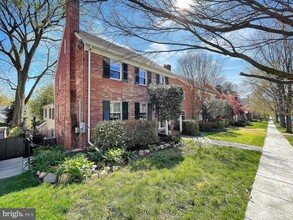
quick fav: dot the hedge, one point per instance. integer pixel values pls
(190, 127)
(212, 125)
(134, 134)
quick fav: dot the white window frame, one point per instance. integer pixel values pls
(45, 113)
(145, 75)
(146, 110)
(113, 102)
(162, 80)
(120, 69)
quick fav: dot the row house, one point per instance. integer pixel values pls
(98, 80)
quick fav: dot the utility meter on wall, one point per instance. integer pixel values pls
(82, 127)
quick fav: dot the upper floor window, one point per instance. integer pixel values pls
(162, 80)
(142, 77)
(115, 70)
(51, 113)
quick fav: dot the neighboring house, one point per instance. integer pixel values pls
(47, 126)
(97, 80)
(3, 114)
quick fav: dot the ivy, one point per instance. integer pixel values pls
(167, 101)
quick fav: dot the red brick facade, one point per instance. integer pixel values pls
(71, 86)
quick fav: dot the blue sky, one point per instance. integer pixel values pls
(231, 66)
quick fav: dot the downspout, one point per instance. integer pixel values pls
(89, 99)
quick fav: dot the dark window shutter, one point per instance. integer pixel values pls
(106, 67)
(150, 108)
(124, 110)
(157, 79)
(136, 74)
(149, 78)
(125, 72)
(106, 110)
(137, 110)
(166, 80)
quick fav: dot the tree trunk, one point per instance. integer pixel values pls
(282, 120)
(19, 105)
(289, 126)
(277, 117)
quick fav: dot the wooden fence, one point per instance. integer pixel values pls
(12, 148)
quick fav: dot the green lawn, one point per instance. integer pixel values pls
(253, 135)
(186, 183)
(288, 136)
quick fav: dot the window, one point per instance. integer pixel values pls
(142, 77)
(183, 115)
(115, 110)
(162, 80)
(183, 95)
(115, 69)
(51, 113)
(45, 113)
(143, 111)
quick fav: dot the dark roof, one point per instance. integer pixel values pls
(126, 53)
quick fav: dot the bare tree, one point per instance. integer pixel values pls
(200, 70)
(219, 26)
(28, 28)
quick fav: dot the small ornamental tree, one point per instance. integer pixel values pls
(167, 101)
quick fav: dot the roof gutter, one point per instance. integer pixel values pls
(89, 99)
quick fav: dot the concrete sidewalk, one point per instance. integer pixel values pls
(11, 167)
(272, 193)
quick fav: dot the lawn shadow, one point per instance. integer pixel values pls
(18, 183)
(164, 159)
(224, 134)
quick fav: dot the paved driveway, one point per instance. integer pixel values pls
(11, 167)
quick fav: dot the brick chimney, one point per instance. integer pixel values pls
(167, 66)
(72, 15)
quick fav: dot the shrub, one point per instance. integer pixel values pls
(110, 157)
(78, 168)
(16, 132)
(207, 126)
(190, 127)
(44, 160)
(140, 134)
(135, 134)
(56, 148)
(109, 134)
(176, 139)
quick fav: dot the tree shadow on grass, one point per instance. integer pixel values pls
(164, 159)
(223, 134)
(18, 183)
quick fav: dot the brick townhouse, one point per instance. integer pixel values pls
(97, 80)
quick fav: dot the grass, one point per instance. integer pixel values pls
(252, 135)
(186, 183)
(287, 135)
